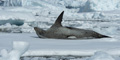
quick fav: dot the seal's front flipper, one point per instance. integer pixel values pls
(58, 21)
(72, 37)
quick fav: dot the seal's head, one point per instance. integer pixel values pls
(40, 32)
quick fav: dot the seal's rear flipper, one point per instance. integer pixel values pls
(58, 21)
(102, 36)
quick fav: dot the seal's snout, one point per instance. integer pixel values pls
(35, 28)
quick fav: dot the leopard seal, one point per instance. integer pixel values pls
(58, 31)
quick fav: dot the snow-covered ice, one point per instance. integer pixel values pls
(53, 47)
(101, 56)
(81, 47)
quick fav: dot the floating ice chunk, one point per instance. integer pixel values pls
(101, 5)
(4, 54)
(98, 15)
(18, 16)
(15, 3)
(19, 48)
